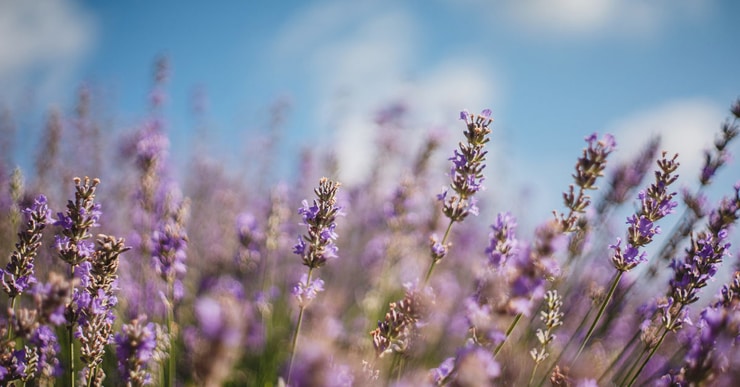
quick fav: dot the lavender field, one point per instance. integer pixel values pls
(369, 193)
(114, 272)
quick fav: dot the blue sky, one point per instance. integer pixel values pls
(553, 71)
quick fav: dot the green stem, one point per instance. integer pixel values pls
(91, 375)
(12, 309)
(400, 369)
(508, 333)
(70, 335)
(434, 261)
(649, 356)
(602, 309)
(394, 363)
(171, 362)
(294, 343)
(619, 356)
(534, 371)
(625, 376)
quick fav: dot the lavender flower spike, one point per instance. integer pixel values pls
(503, 242)
(81, 215)
(467, 179)
(318, 244)
(656, 202)
(315, 248)
(467, 170)
(135, 347)
(18, 274)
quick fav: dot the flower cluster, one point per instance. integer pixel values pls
(503, 242)
(82, 214)
(656, 203)
(532, 267)
(706, 251)
(215, 343)
(318, 244)
(589, 167)
(398, 329)
(135, 346)
(467, 169)
(18, 275)
(711, 345)
(304, 291)
(250, 240)
(170, 241)
(95, 305)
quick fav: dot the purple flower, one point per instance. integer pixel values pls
(305, 292)
(47, 345)
(64, 221)
(151, 145)
(81, 215)
(466, 172)
(439, 250)
(628, 259)
(39, 211)
(18, 274)
(441, 373)
(300, 247)
(656, 203)
(464, 115)
(318, 244)
(170, 242)
(308, 213)
(135, 346)
(503, 242)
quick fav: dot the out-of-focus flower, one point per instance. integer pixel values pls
(503, 242)
(305, 292)
(135, 346)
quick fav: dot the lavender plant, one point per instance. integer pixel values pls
(656, 202)
(467, 179)
(315, 248)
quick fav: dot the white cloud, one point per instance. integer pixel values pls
(367, 56)
(686, 127)
(585, 18)
(41, 42)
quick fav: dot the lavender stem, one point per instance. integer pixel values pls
(508, 333)
(602, 309)
(294, 343)
(434, 261)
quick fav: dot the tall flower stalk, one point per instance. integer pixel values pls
(656, 202)
(315, 247)
(169, 241)
(18, 274)
(534, 264)
(74, 248)
(467, 179)
(706, 251)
